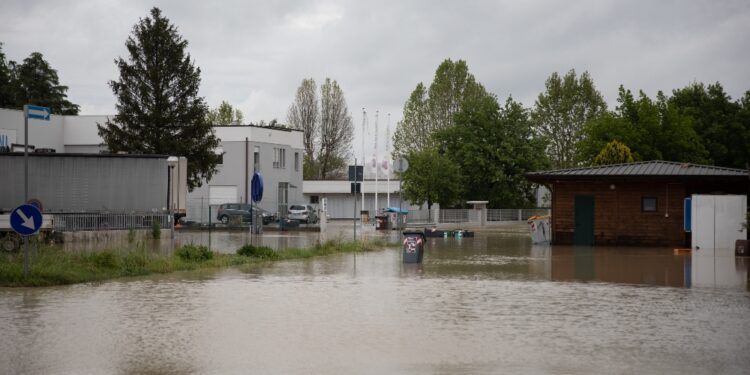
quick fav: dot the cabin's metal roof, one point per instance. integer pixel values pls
(655, 168)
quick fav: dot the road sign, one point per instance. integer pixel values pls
(37, 112)
(400, 165)
(256, 187)
(26, 220)
(358, 175)
(36, 203)
(356, 187)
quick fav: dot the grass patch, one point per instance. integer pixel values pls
(52, 266)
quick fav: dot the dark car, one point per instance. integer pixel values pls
(228, 210)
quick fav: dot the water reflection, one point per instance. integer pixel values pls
(494, 303)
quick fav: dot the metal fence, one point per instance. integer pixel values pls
(69, 222)
(515, 214)
(419, 216)
(454, 215)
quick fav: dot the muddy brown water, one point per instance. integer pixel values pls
(490, 304)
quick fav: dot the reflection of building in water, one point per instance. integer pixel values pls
(719, 269)
(625, 266)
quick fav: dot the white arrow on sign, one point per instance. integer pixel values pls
(28, 222)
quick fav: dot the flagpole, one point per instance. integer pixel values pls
(388, 160)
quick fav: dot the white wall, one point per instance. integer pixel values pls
(717, 220)
(42, 134)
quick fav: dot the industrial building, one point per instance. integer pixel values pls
(274, 152)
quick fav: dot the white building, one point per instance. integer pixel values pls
(341, 200)
(276, 153)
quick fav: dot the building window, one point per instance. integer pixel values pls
(649, 204)
(296, 161)
(279, 158)
(314, 199)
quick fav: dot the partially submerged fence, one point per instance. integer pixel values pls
(69, 222)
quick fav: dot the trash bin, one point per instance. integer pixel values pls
(540, 229)
(365, 216)
(397, 217)
(381, 222)
(741, 249)
(413, 246)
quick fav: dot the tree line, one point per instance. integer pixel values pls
(463, 144)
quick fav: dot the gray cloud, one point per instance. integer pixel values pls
(254, 54)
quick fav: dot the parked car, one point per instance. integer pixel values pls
(228, 210)
(303, 213)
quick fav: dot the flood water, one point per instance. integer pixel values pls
(489, 304)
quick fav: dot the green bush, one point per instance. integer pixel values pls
(192, 253)
(261, 252)
(104, 259)
(134, 263)
(156, 230)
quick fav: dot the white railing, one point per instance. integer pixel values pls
(515, 214)
(70, 222)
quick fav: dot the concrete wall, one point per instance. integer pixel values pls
(74, 183)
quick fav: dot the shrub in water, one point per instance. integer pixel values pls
(262, 252)
(192, 253)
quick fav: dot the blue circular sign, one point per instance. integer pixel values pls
(256, 187)
(26, 220)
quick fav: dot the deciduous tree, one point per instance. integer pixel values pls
(224, 114)
(561, 111)
(336, 131)
(430, 110)
(304, 114)
(33, 82)
(431, 178)
(718, 122)
(494, 147)
(158, 107)
(653, 130)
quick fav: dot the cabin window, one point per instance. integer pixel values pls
(649, 204)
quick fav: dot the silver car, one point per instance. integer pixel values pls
(303, 213)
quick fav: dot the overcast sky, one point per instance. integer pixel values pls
(254, 54)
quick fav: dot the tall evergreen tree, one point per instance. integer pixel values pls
(158, 107)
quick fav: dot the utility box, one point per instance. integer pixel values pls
(413, 246)
(717, 221)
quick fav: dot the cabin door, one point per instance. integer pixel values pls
(584, 220)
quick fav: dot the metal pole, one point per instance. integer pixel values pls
(25, 153)
(25, 184)
(209, 224)
(354, 218)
